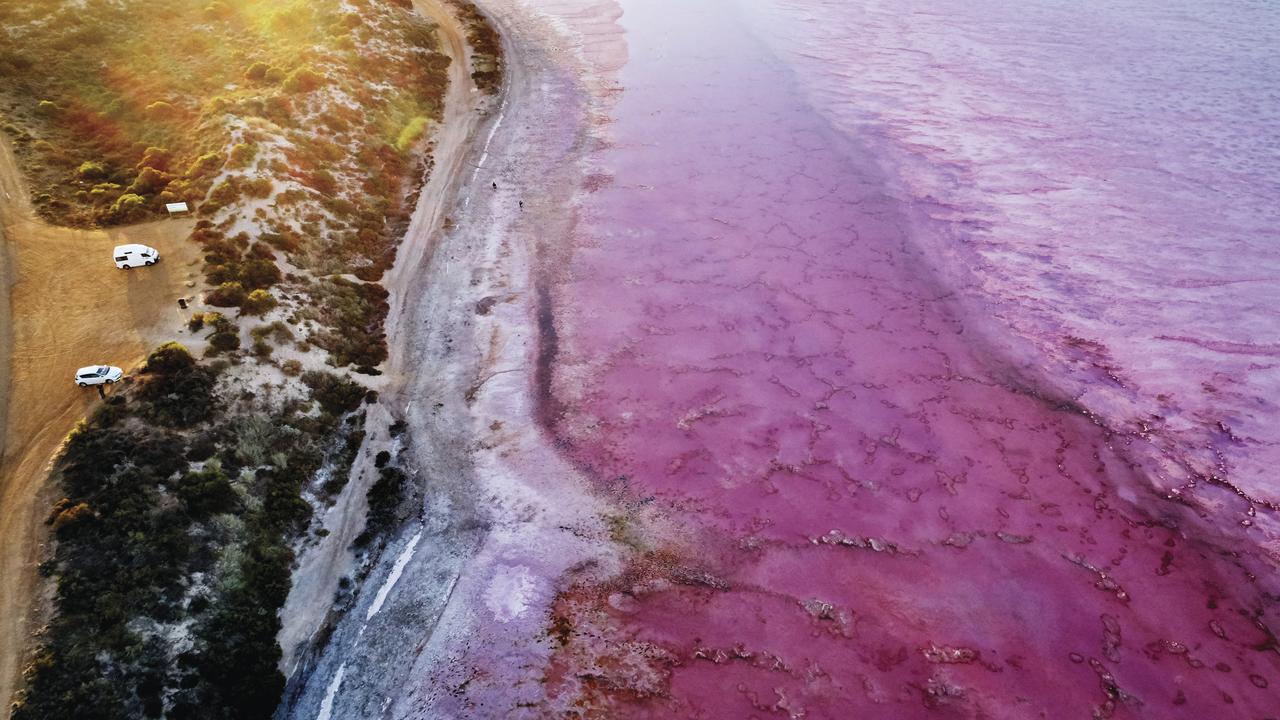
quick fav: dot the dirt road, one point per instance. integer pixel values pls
(67, 306)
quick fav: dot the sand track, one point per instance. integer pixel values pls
(64, 305)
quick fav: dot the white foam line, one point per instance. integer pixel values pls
(326, 705)
(396, 571)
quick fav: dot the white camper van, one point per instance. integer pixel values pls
(134, 255)
(98, 375)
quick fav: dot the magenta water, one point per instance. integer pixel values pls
(943, 337)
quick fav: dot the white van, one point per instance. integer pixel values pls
(134, 255)
(98, 375)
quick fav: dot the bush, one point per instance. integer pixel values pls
(303, 80)
(258, 302)
(228, 294)
(162, 110)
(129, 208)
(149, 182)
(291, 368)
(90, 170)
(384, 497)
(224, 341)
(336, 394)
(258, 273)
(207, 492)
(156, 158)
(241, 155)
(256, 72)
(411, 132)
(180, 396)
(169, 358)
(258, 187)
(205, 165)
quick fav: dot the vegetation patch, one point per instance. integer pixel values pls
(298, 130)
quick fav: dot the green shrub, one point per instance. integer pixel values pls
(207, 492)
(256, 72)
(205, 165)
(303, 80)
(169, 358)
(179, 397)
(228, 294)
(162, 110)
(224, 341)
(411, 133)
(258, 187)
(258, 273)
(242, 154)
(156, 158)
(336, 394)
(129, 208)
(258, 302)
(149, 182)
(90, 170)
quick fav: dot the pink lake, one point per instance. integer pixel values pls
(935, 346)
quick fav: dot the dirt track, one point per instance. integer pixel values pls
(67, 306)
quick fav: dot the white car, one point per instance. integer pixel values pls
(98, 375)
(135, 255)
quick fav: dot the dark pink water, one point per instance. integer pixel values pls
(933, 359)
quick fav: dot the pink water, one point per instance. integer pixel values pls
(941, 340)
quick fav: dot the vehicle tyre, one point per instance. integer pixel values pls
(82, 384)
(151, 262)
(111, 382)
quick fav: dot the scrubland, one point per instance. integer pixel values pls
(299, 132)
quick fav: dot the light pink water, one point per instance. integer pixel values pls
(946, 334)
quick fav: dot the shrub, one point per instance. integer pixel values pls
(303, 80)
(90, 170)
(384, 497)
(205, 165)
(224, 341)
(179, 397)
(228, 294)
(149, 182)
(411, 132)
(162, 110)
(156, 158)
(169, 358)
(258, 273)
(291, 368)
(207, 492)
(256, 72)
(258, 302)
(241, 155)
(258, 187)
(336, 394)
(129, 207)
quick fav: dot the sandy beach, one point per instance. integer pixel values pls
(66, 306)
